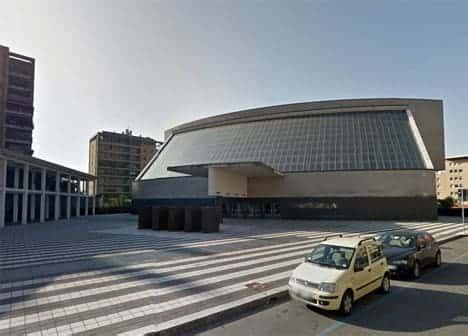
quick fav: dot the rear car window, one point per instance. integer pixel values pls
(375, 252)
(362, 259)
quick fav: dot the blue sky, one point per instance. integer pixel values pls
(150, 65)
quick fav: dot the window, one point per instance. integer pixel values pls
(397, 240)
(420, 241)
(375, 252)
(335, 141)
(330, 255)
(17, 92)
(362, 259)
(428, 238)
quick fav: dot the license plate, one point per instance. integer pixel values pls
(306, 296)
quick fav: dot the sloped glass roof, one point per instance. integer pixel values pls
(378, 140)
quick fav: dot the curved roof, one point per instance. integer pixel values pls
(299, 109)
(361, 140)
(336, 135)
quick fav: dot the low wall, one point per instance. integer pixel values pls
(364, 208)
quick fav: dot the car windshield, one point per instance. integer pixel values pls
(331, 256)
(400, 240)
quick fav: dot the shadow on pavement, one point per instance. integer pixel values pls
(416, 310)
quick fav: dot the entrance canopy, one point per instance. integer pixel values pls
(246, 169)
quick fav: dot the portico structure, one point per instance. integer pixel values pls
(35, 190)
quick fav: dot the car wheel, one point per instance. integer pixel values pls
(385, 285)
(438, 259)
(416, 272)
(346, 303)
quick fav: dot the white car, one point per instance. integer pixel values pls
(340, 271)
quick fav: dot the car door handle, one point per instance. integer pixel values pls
(370, 269)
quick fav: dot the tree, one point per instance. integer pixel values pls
(447, 202)
(118, 201)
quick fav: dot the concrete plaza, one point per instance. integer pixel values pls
(100, 275)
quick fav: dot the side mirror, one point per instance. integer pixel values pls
(358, 268)
(422, 245)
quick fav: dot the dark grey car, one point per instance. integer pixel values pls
(407, 252)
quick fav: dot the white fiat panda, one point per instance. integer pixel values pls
(340, 271)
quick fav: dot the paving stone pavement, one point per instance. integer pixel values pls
(101, 276)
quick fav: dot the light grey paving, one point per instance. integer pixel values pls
(103, 276)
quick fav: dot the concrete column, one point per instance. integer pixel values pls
(32, 207)
(16, 196)
(57, 196)
(33, 179)
(78, 205)
(94, 198)
(42, 214)
(47, 207)
(24, 213)
(86, 206)
(3, 174)
(69, 197)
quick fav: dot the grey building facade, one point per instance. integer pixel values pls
(34, 190)
(353, 159)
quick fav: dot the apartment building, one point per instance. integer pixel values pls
(116, 159)
(16, 101)
(453, 178)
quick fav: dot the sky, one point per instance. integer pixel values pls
(149, 65)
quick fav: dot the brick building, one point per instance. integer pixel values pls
(116, 159)
(453, 178)
(16, 101)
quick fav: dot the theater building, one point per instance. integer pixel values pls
(342, 159)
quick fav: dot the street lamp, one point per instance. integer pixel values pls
(462, 196)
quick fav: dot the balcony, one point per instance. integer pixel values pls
(23, 122)
(19, 109)
(21, 83)
(18, 135)
(21, 68)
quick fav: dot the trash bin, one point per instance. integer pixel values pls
(144, 218)
(192, 220)
(176, 219)
(209, 220)
(160, 218)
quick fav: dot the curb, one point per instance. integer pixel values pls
(449, 239)
(222, 317)
(225, 316)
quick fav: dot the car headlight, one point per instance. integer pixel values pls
(328, 287)
(400, 262)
